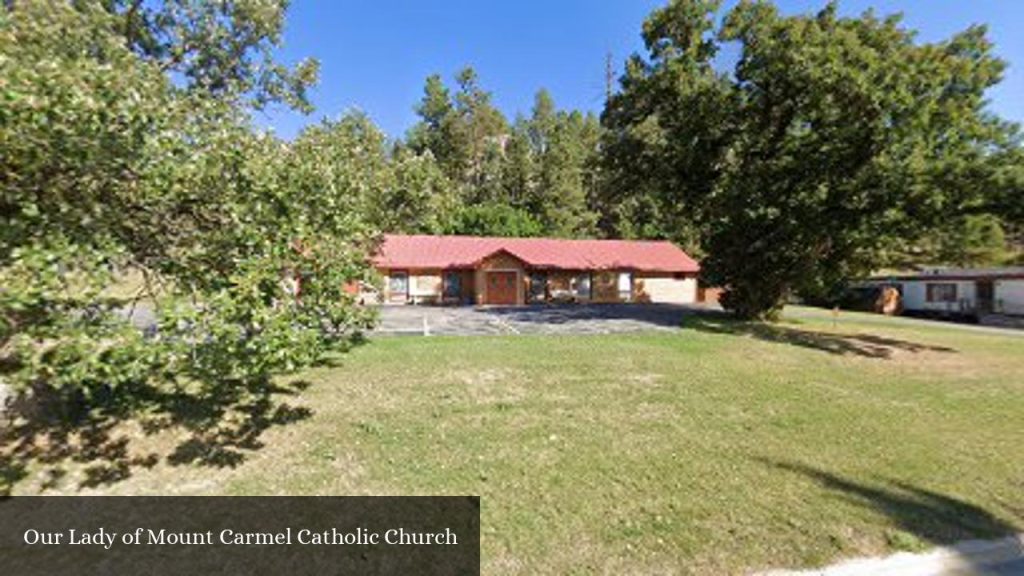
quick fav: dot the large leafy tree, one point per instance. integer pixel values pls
(495, 219)
(652, 173)
(972, 241)
(127, 147)
(392, 189)
(831, 139)
(220, 47)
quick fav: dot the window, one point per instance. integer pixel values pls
(452, 284)
(538, 286)
(941, 292)
(398, 283)
(625, 286)
(581, 285)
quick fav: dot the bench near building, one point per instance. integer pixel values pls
(464, 270)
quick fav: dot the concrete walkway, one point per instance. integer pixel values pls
(1003, 557)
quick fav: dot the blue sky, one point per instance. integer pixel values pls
(374, 56)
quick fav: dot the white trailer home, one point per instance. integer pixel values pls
(959, 291)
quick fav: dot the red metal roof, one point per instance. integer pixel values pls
(420, 251)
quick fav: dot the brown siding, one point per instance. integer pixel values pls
(605, 286)
(501, 261)
(708, 294)
(640, 290)
(558, 280)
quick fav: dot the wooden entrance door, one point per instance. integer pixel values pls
(501, 287)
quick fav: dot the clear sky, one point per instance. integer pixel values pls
(375, 55)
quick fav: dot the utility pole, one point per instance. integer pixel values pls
(609, 77)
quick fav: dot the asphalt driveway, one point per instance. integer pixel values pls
(540, 319)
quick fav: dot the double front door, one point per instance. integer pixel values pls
(501, 288)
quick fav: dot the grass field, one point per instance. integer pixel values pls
(723, 448)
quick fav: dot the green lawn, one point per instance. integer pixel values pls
(722, 448)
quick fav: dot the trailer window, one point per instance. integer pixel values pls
(945, 292)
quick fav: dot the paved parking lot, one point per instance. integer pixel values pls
(540, 319)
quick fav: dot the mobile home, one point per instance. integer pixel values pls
(959, 291)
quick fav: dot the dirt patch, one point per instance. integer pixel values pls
(645, 379)
(492, 385)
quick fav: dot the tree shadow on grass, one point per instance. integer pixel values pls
(48, 435)
(929, 516)
(865, 345)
